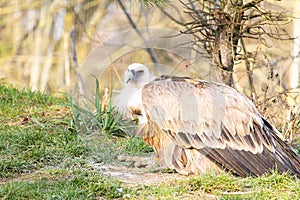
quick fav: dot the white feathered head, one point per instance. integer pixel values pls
(137, 75)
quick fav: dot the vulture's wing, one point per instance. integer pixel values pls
(218, 122)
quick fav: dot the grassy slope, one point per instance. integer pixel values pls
(42, 157)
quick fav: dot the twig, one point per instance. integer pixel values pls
(249, 71)
(148, 49)
(74, 58)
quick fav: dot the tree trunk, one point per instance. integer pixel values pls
(227, 38)
(294, 70)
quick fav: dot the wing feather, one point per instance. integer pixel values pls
(196, 125)
(199, 114)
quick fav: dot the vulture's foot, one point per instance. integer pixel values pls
(140, 162)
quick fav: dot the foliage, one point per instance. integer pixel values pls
(34, 132)
(225, 186)
(100, 122)
(134, 146)
(74, 184)
(104, 118)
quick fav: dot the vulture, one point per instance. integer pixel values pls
(195, 126)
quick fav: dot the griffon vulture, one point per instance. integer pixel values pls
(194, 125)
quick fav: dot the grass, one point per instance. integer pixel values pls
(225, 186)
(34, 132)
(69, 185)
(93, 115)
(44, 155)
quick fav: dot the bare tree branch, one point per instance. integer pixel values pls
(75, 61)
(220, 26)
(148, 49)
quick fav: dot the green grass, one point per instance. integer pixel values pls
(44, 155)
(225, 186)
(69, 185)
(91, 115)
(82, 184)
(34, 132)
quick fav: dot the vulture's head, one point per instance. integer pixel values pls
(137, 75)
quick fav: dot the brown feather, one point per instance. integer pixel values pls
(195, 126)
(215, 123)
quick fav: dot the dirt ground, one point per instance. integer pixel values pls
(136, 176)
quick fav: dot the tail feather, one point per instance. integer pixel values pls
(239, 162)
(244, 163)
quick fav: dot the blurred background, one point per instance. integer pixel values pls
(59, 45)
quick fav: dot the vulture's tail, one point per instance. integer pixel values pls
(245, 163)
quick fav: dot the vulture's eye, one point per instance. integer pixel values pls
(139, 73)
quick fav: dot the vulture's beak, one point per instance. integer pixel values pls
(132, 76)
